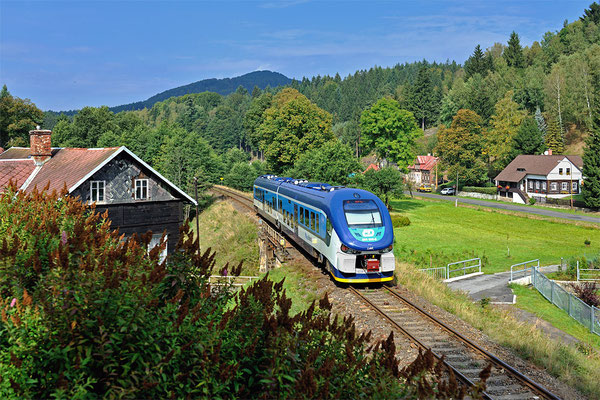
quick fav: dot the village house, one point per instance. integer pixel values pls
(540, 176)
(138, 199)
(423, 171)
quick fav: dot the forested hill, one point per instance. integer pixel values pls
(225, 86)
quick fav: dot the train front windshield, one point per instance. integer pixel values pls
(362, 214)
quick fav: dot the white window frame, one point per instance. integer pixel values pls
(99, 184)
(141, 187)
(568, 171)
(537, 185)
(564, 186)
(554, 186)
(574, 186)
(560, 171)
(155, 241)
(543, 185)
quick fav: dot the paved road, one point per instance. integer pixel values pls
(513, 207)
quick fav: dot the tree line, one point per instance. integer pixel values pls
(504, 101)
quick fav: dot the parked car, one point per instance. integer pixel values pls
(448, 191)
(424, 188)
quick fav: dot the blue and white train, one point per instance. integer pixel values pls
(348, 230)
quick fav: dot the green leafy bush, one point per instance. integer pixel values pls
(478, 189)
(400, 221)
(99, 317)
(532, 201)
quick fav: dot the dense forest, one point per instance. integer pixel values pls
(506, 100)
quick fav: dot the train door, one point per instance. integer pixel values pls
(296, 219)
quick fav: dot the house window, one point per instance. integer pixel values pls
(568, 171)
(543, 185)
(97, 191)
(155, 241)
(141, 189)
(554, 186)
(530, 183)
(574, 187)
(537, 184)
(560, 170)
(564, 186)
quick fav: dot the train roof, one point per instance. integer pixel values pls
(330, 199)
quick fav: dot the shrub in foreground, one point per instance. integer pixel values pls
(98, 317)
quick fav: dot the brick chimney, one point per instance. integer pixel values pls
(39, 143)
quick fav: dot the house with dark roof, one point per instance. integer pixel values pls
(423, 171)
(138, 198)
(547, 175)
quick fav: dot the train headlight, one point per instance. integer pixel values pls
(387, 249)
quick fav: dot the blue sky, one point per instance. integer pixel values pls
(69, 54)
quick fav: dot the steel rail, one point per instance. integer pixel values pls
(455, 371)
(235, 196)
(534, 386)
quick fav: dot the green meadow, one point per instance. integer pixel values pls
(440, 233)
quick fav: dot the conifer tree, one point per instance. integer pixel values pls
(591, 166)
(554, 137)
(514, 52)
(541, 122)
(528, 139)
(476, 63)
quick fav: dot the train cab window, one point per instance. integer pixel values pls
(312, 220)
(317, 223)
(362, 214)
(328, 226)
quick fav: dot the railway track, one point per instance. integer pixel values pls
(464, 357)
(244, 201)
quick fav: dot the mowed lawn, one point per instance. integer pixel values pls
(440, 233)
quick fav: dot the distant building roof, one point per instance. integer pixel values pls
(371, 166)
(426, 163)
(534, 165)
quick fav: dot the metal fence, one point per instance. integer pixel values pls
(436, 273)
(522, 270)
(218, 280)
(586, 315)
(587, 274)
(453, 270)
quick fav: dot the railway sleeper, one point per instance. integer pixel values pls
(516, 396)
(511, 388)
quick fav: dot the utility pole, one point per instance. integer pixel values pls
(197, 212)
(456, 191)
(571, 186)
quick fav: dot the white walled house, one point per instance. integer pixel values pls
(550, 176)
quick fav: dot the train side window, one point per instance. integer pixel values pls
(306, 218)
(301, 215)
(280, 204)
(317, 223)
(312, 220)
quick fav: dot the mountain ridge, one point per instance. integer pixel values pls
(222, 86)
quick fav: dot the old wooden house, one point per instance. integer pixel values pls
(138, 199)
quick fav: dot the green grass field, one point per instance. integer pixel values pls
(440, 233)
(529, 299)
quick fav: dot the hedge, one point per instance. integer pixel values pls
(476, 189)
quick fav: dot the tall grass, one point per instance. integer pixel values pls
(231, 234)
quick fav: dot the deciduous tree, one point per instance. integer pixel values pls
(291, 126)
(461, 147)
(17, 118)
(390, 131)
